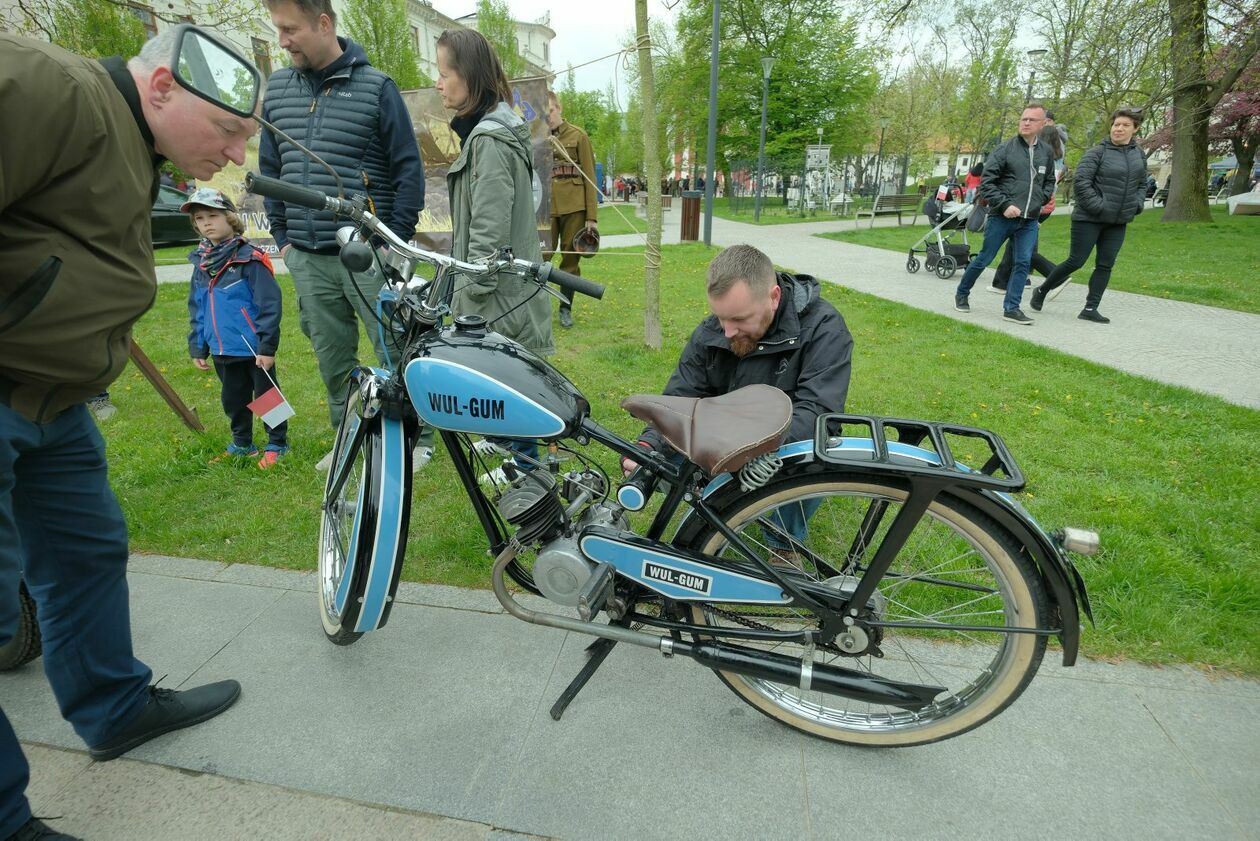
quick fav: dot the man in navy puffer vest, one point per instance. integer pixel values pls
(351, 115)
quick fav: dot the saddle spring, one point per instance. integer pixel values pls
(757, 472)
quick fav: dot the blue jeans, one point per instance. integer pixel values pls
(62, 531)
(793, 518)
(997, 230)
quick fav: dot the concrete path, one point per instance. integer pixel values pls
(437, 727)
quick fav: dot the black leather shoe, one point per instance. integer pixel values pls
(37, 829)
(1038, 298)
(169, 710)
(566, 317)
(1092, 314)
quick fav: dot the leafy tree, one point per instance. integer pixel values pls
(381, 28)
(585, 109)
(1196, 94)
(95, 28)
(494, 21)
(823, 77)
(1234, 127)
(110, 27)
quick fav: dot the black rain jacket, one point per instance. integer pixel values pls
(807, 353)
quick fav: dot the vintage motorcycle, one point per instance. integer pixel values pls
(866, 586)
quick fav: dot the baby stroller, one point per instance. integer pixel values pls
(948, 212)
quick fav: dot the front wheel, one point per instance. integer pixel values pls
(363, 525)
(958, 567)
(912, 264)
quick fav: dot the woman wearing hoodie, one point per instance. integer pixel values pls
(1110, 187)
(491, 187)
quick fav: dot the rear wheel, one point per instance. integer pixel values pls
(957, 568)
(945, 267)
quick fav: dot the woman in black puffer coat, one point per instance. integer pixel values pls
(1110, 187)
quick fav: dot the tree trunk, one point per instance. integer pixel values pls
(652, 160)
(1187, 195)
(1245, 155)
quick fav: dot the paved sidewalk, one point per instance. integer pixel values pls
(444, 713)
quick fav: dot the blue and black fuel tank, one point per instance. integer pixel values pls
(466, 378)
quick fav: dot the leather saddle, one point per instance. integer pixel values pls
(720, 434)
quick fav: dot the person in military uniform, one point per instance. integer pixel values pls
(573, 202)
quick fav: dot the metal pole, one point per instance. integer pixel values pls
(711, 149)
(1032, 74)
(761, 148)
(879, 160)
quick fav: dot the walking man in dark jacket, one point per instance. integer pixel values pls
(77, 185)
(1018, 179)
(351, 115)
(769, 329)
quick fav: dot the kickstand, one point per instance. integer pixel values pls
(597, 651)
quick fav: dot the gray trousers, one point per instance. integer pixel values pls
(330, 312)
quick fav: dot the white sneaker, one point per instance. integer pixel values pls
(1054, 293)
(102, 407)
(325, 463)
(486, 447)
(996, 290)
(420, 456)
(497, 476)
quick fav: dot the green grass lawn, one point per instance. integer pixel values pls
(775, 212)
(611, 222)
(1164, 474)
(172, 255)
(1216, 263)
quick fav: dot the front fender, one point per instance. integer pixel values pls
(1063, 582)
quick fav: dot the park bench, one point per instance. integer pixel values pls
(890, 203)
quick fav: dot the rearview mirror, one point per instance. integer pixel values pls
(214, 71)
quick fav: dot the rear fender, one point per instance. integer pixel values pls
(1063, 583)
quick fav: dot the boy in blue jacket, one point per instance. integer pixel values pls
(234, 313)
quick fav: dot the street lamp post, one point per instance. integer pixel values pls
(1033, 55)
(826, 173)
(766, 64)
(879, 154)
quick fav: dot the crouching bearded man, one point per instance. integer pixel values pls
(772, 329)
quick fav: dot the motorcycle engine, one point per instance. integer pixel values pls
(560, 568)
(533, 506)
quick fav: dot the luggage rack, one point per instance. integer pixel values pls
(832, 427)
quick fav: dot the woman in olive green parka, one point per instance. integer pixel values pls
(491, 188)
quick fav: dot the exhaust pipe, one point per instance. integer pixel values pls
(834, 680)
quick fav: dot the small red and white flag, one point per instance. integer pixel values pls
(271, 407)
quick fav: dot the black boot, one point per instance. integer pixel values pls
(169, 710)
(1038, 298)
(1092, 314)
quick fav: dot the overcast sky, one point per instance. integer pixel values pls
(585, 30)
